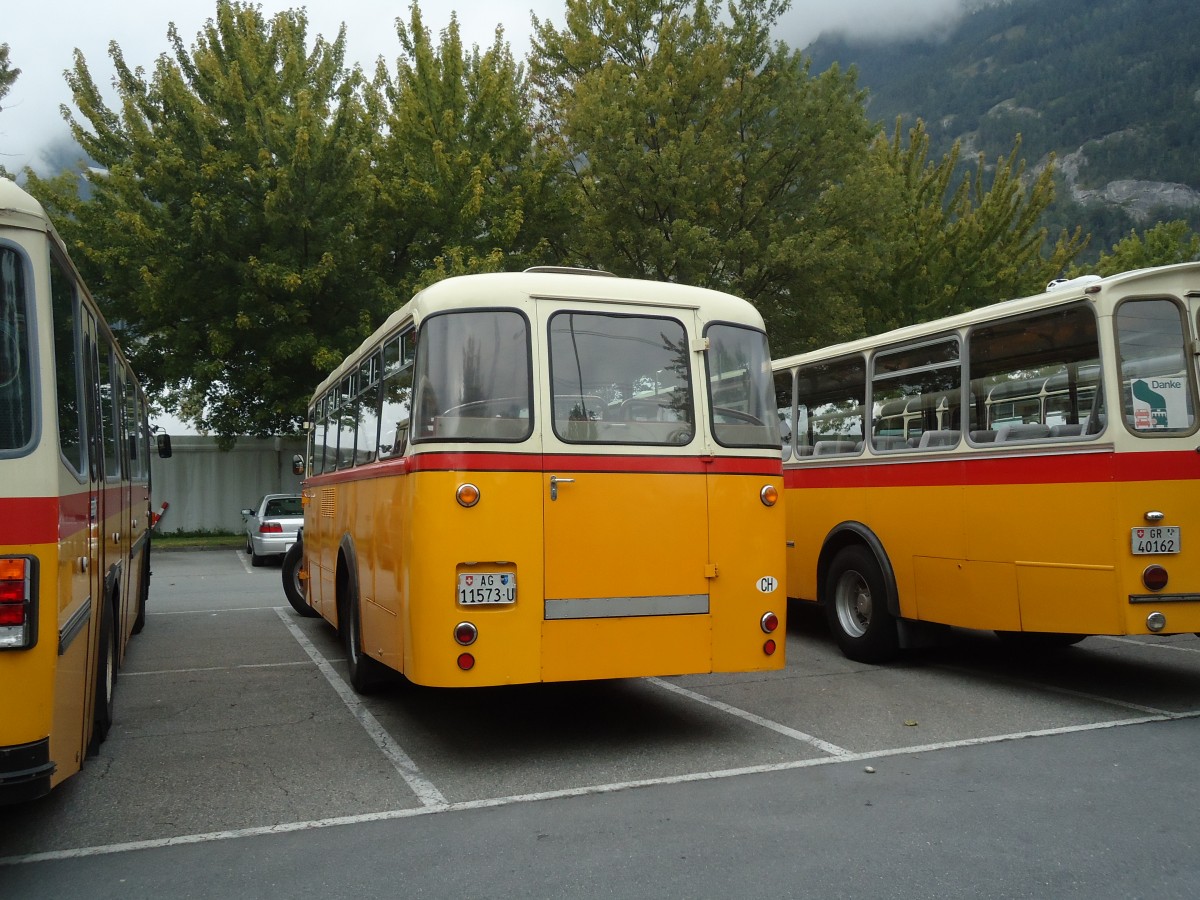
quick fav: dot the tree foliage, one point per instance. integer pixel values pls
(225, 232)
(948, 248)
(463, 185)
(1161, 245)
(703, 152)
(8, 75)
(257, 208)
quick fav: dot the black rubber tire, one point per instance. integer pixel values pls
(366, 674)
(1038, 641)
(256, 560)
(139, 621)
(106, 680)
(855, 602)
(293, 587)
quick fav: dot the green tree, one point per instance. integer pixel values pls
(1160, 245)
(705, 153)
(464, 186)
(225, 231)
(8, 75)
(945, 249)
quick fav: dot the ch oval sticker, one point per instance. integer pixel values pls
(767, 584)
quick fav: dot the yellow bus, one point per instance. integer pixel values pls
(1027, 468)
(546, 476)
(74, 507)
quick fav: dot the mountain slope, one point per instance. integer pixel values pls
(1112, 87)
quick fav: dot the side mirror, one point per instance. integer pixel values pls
(297, 464)
(247, 512)
(163, 441)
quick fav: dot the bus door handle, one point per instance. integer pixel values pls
(555, 481)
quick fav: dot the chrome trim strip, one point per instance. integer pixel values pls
(74, 626)
(1164, 598)
(622, 607)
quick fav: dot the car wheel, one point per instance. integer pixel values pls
(293, 585)
(856, 607)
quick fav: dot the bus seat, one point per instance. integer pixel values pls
(828, 448)
(983, 436)
(942, 438)
(804, 450)
(1027, 431)
(888, 442)
(1066, 430)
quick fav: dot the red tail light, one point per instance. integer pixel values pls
(17, 619)
(270, 528)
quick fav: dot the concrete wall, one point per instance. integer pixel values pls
(207, 488)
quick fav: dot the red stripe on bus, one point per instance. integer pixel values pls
(484, 461)
(28, 520)
(1054, 468)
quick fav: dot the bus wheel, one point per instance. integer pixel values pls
(1036, 641)
(366, 674)
(293, 587)
(139, 621)
(106, 678)
(856, 606)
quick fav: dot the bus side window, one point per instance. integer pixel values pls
(785, 397)
(915, 395)
(1036, 378)
(397, 396)
(830, 398)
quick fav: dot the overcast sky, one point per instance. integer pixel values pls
(41, 40)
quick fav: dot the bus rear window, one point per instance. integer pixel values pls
(740, 388)
(16, 379)
(473, 379)
(620, 379)
(1156, 393)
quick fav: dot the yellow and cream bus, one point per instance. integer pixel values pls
(546, 476)
(74, 507)
(1027, 468)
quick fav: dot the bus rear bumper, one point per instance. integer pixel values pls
(25, 771)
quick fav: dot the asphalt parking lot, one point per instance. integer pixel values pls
(236, 731)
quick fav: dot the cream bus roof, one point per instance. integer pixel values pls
(19, 210)
(513, 289)
(1178, 279)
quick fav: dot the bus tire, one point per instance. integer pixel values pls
(856, 607)
(1038, 641)
(366, 674)
(293, 586)
(139, 621)
(106, 678)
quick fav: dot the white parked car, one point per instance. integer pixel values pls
(271, 526)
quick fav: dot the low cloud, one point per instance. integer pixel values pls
(869, 20)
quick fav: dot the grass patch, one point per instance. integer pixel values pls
(197, 540)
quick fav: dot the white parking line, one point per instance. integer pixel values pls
(215, 612)
(241, 555)
(1069, 692)
(823, 746)
(125, 674)
(425, 790)
(393, 814)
